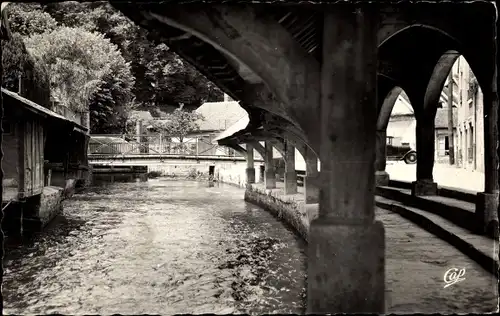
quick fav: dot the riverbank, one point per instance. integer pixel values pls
(416, 260)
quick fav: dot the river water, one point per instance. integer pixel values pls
(159, 247)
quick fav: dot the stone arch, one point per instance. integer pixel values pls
(280, 147)
(259, 148)
(438, 77)
(405, 29)
(386, 108)
(415, 64)
(244, 36)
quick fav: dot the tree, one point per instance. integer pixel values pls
(79, 63)
(28, 19)
(18, 64)
(163, 80)
(178, 124)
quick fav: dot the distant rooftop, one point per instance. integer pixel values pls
(220, 116)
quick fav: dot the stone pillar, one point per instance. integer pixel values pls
(269, 176)
(346, 263)
(250, 165)
(262, 172)
(425, 138)
(311, 187)
(381, 176)
(487, 201)
(290, 173)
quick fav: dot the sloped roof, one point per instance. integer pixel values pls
(220, 115)
(38, 109)
(242, 123)
(141, 115)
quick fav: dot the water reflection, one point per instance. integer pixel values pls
(158, 246)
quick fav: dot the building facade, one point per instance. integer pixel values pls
(468, 131)
(470, 128)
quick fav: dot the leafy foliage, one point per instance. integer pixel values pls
(78, 63)
(18, 63)
(178, 124)
(27, 19)
(163, 80)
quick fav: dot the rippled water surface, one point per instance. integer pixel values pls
(159, 246)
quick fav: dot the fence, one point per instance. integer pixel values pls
(156, 145)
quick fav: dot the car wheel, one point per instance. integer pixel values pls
(411, 158)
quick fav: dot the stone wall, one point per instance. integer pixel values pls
(50, 204)
(231, 172)
(290, 212)
(37, 211)
(181, 169)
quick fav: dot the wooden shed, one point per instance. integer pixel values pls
(25, 125)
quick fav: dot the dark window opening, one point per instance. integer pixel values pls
(6, 127)
(446, 146)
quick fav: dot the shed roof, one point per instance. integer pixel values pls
(38, 109)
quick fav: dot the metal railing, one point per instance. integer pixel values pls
(123, 145)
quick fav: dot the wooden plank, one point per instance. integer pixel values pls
(40, 149)
(28, 164)
(20, 126)
(36, 157)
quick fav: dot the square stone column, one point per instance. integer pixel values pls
(262, 172)
(311, 187)
(487, 201)
(425, 137)
(346, 267)
(270, 174)
(290, 173)
(250, 171)
(311, 190)
(381, 176)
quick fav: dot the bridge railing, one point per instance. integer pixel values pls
(123, 145)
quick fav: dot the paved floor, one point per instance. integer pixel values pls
(416, 262)
(444, 175)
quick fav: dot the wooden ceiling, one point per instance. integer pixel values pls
(304, 25)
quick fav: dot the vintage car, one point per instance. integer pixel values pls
(400, 152)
